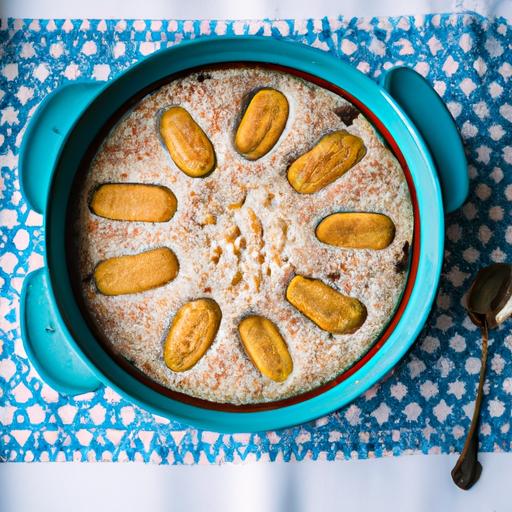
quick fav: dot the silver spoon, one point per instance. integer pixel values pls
(489, 303)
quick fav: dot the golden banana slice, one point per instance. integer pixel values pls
(134, 202)
(333, 156)
(329, 309)
(192, 332)
(356, 230)
(262, 124)
(188, 145)
(266, 347)
(136, 273)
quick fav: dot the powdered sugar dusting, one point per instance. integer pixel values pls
(268, 238)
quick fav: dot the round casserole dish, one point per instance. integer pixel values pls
(57, 337)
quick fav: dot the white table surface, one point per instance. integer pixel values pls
(242, 9)
(403, 484)
(408, 483)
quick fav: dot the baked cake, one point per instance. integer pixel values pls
(263, 255)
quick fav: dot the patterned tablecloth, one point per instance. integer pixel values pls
(426, 402)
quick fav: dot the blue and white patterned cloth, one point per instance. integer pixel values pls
(426, 402)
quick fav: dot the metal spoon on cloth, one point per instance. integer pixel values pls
(489, 303)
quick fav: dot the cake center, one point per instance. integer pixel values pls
(241, 240)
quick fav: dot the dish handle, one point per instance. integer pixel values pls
(435, 124)
(45, 133)
(46, 340)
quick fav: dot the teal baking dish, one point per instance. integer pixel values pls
(56, 335)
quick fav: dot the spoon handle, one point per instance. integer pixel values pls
(467, 470)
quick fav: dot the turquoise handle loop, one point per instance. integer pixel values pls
(429, 114)
(46, 340)
(45, 134)
(45, 337)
